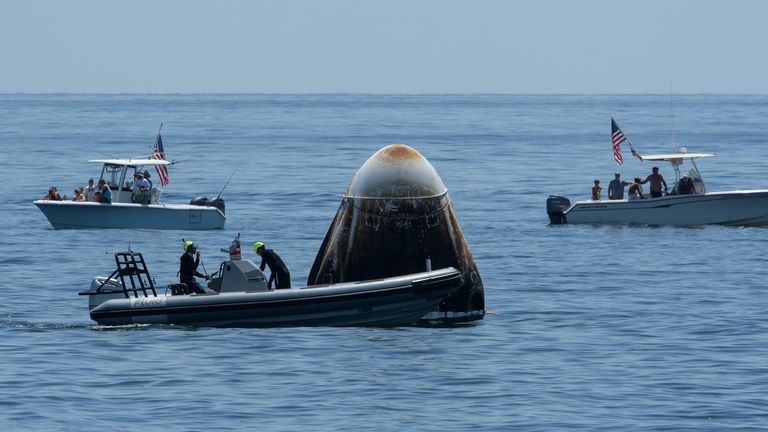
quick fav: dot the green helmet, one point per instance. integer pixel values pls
(187, 244)
(257, 245)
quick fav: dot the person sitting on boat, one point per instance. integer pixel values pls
(188, 268)
(685, 187)
(106, 193)
(146, 176)
(53, 194)
(279, 271)
(140, 190)
(616, 187)
(90, 191)
(656, 181)
(596, 189)
(142, 182)
(635, 190)
(78, 194)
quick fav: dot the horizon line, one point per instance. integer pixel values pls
(370, 94)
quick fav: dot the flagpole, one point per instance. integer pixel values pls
(152, 146)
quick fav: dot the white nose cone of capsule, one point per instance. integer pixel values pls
(396, 171)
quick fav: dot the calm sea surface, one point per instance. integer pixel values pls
(592, 327)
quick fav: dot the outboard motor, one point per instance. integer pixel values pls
(208, 202)
(218, 203)
(556, 208)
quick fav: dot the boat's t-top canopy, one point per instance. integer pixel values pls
(676, 159)
(130, 162)
(119, 175)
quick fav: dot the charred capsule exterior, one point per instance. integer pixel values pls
(395, 219)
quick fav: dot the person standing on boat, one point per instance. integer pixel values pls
(188, 268)
(269, 257)
(596, 189)
(656, 181)
(616, 187)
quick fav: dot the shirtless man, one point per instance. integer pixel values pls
(635, 190)
(656, 181)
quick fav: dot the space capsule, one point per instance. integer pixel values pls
(396, 218)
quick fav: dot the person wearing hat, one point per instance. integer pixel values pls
(656, 181)
(616, 187)
(146, 179)
(139, 182)
(280, 274)
(140, 188)
(188, 268)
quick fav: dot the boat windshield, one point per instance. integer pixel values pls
(111, 174)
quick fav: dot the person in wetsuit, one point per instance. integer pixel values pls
(188, 268)
(280, 274)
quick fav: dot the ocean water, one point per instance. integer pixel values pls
(598, 328)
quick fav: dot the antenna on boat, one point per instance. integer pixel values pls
(107, 155)
(672, 116)
(225, 184)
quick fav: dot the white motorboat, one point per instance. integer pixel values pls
(683, 206)
(132, 208)
(239, 296)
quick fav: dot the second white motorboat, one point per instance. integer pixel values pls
(131, 208)
(683, 206)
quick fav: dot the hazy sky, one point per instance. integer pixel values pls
(387, 46)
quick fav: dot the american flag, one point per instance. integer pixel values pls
(159, 154)
(617, 136)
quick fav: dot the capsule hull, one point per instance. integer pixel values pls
(397, 218)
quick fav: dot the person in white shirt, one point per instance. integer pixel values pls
(90, 191)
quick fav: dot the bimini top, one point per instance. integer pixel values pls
(676, 156)
(131, 162)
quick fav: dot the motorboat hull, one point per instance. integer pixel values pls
(394, 301)
(737, 208)
(69, 214)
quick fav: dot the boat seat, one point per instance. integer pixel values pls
(179, 289)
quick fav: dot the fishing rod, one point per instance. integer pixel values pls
(107, 155)
(230, 178)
